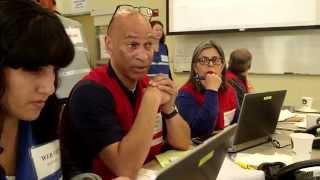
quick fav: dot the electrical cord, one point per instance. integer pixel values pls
(277, 144)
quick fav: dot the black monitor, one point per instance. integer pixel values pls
(258, 119)
(204, 162)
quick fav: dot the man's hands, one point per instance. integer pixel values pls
(167, 91)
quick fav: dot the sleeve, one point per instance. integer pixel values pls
(199, 117)
(167, 53)
(93, 117)
(237, 106)
(238, 89)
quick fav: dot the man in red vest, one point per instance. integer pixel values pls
(112, 123)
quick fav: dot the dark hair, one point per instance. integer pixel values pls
(240, 61)
(32, 37)
(163, 37)
(196, 53)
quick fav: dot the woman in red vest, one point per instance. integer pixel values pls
(237, 73)
(206, 101)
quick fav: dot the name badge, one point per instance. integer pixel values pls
(46, 158)
(157, 131)
(74, 34)
(158, 124)
(164, 58)
(228, 117)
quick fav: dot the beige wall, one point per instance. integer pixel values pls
(297, 85)
(90, 35)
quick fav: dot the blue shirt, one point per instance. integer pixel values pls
(197, 115)
(160, 63)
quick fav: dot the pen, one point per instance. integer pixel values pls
(245, 165)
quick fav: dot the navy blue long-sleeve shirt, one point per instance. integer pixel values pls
(201, 118)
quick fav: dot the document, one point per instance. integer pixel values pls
(168, 157)
(285, 114)
(238, 173)
(147, 174)
(254, 160)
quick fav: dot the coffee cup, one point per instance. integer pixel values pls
(302, 145)
(306, 102)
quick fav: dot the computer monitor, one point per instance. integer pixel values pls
(258, 119)
(204, 162)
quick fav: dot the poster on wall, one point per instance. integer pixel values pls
(103, 52)
(79, 5)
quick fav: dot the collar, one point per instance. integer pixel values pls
(113, 75)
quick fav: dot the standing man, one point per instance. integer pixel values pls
(112, 123)
(79, 67)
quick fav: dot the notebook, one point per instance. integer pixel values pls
(258, 119)
(204, 162)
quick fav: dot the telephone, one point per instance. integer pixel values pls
(315, 130)
(279, 171)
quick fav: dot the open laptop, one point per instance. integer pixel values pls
(258, 119)
(204, 162)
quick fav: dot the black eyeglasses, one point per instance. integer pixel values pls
(145, 11)
(214, 60)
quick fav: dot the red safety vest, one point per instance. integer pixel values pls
(227, 101)
(123, 109)
(243, 83)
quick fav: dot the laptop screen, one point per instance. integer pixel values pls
(258, 118)
(204, 162)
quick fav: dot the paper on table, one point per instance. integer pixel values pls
(302, 124)
(238, 173)
(147, 174)
(168, 157)
(257, 158)
(285, 114)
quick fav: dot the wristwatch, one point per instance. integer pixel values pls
(170, 115)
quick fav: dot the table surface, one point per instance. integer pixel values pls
(267, 149)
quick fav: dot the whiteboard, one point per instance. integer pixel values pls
(206, 15)
(274, 52)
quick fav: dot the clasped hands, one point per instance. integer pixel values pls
(165, 89)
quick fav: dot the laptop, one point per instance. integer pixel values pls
(204, 162)
(258, 119)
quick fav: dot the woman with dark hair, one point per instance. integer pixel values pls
(33, 47)
(206, 101)
(160, 63)
(237, 73)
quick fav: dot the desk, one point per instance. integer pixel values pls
(283, 137)
(237, 172)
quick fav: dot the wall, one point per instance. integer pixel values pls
(90, 35)
(297, 85)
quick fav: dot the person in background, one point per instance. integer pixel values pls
(79, 58)
(79, 67)
(237, 73)
(206, 101)
(33, 47)
(160, 63)
(111, 123)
